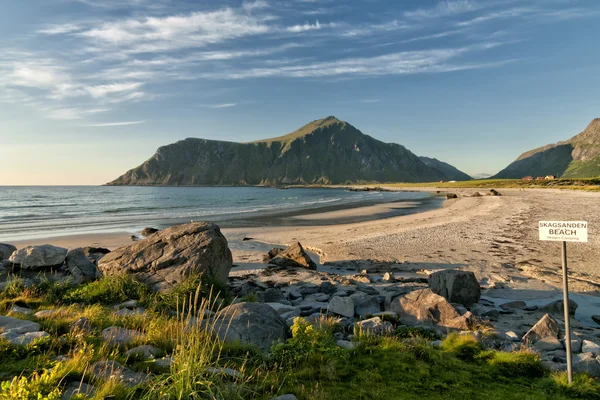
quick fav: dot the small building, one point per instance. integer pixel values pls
(528, 178)
(550, 177)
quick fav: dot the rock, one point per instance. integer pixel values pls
(273, 295)
(252, 323)
(294, 256)
(451, 196)
(148, 231)
(494, 192)
(113, 370)
(6, 251)
(596, 319)
(345, 344)
(586, 363)
(374, 327)
(20, 310)
(127, 312)
(282, 309)
(167, 258)
(425, 307)
(33, 257)
(389, 277)
(514, 305)
(365, 305)
(78, 388)
(95, 253)
(513, 337)
(590, 347)
(128, 304)
(272, 254)
(456, 286)
(285, 397)
(436, 344)
(476, 194)
(80, 267)
(308, 288)
(81, 325)
(164, 362)
(327, 288)
(342, 306)
(23, 339)
(226, 372)
(557, 307)
(484, 311)
(548, 344)
(16, 325)
(144, 351)
(116, 335)
(546, 327)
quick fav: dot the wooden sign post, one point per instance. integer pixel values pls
(565, 231)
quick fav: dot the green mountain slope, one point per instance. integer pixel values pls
(326, 151)
(578, 157)
(451, 172)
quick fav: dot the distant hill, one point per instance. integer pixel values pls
(578, 157)
(452, 173)
(325, 151)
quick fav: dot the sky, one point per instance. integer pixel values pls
(91, 88)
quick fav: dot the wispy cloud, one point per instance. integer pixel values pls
(224, 105)
(109, 124)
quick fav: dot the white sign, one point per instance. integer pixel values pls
(564, 231)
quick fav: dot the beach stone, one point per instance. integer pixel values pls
(117, 335)
(95, 253)
(78, 388)
(16, 325)
(586, 363)
(273, 295)
(345, 344)
(484, 311)
(514, 305)
(557, 307)
(389, 277)
(34, 257)
(145, 351)
(20, 310)
(285, 397)
(308, 288)
(148, 231)
(23, 339)
(252, 323)
(294, 256)
(6, 250)
(113, 370)
(494, 192)
(456, 286)
(590, 347)
(327, 288)
(546, 327)
(374, 327)
(168, 257)
(283, 308)
(80, 267)
(424, 307)
(272, 254)
(365, 304)
(548, 344)
(451, 196)
(513, 337)
(341, 305)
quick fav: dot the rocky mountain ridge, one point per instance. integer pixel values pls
(325, 151)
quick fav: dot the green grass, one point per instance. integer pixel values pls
(309, 365)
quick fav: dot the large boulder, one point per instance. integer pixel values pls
(558, 307)
(34, 257)
(293, 256)
(456, 286)
(546, 327)
(6, 251)
(168, 257)
(424, 307)
(252, 323)
(20, 332)
(80, 267)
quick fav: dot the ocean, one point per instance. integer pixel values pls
(40, 212)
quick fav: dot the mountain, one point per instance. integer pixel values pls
(452, 173)
(578, 157)
(326, 151)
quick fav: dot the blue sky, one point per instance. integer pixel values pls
(90, 88)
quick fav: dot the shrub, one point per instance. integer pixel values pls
(583, 386)
(465, 347)
(38, 387)
(516, 364)
(109, 290)
(406, 332)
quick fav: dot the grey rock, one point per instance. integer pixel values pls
(291, 314)
(78, 388)
(116, 335)
(168, 257)
(557, 307)
(127, 312)
(34, 257)
(42, 314)
(107, 370)
(548, 344)
(273, 295)
(282, 309)
(294, 256)
(252, 323)
(80, 267)
(586, 363)
(513, 337)
(23, 339)
(345, 344)
(590, 347)
(425, 307)
(436, 344)
(16, 325)
(20, 310)
(327, 288)
(456, 286)
(546, 327)
(272, 254)
(514, 305)
(144, 351)
(164, 362)
(342, 306)
(365, 304)
(374, 327)
(596, 319)
(148, 231)
(285, 397)
(128, 304)
(483, 311)
(308, 288)
(81, 325)
(6, 250)
(226, 372)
